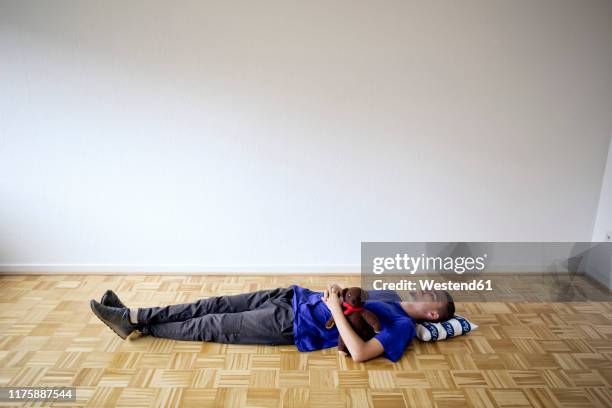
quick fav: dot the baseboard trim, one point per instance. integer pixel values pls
(201, 269)
(171, 269)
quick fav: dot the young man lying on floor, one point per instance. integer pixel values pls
(292, 315)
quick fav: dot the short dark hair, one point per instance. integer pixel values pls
(446, 311)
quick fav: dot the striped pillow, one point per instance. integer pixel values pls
(457, 326)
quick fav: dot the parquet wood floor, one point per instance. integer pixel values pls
(524, 354)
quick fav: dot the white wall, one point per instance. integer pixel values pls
(242, 135)
(603, 221)
(600, 260)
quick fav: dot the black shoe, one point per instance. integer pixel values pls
(111, 299)
(115, 318)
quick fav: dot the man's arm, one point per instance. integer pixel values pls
(360, 350)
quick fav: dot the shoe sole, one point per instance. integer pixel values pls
(91, 304)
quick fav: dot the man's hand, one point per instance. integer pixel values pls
(331, 297)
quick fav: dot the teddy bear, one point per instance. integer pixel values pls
(364, 322)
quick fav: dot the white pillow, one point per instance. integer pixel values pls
(457, 326)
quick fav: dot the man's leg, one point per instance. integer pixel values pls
(270, 323)
(214, 305)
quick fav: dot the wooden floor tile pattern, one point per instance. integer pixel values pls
(523, 354)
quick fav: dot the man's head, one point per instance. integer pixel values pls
(430, 305)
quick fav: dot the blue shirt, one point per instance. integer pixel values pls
(311, 314)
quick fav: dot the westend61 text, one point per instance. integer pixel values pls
(430, 284)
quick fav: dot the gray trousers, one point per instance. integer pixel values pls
(262, 317)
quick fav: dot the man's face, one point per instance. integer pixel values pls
(427, 304)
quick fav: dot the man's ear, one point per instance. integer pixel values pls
(343, 295)
(432, 315)
(364, 295)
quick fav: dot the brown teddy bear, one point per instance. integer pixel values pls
(364, 322)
